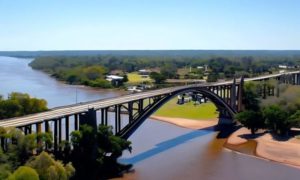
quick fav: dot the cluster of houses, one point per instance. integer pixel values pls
(283, 68)
(117, 80)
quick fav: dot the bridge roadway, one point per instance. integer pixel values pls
(62, 111)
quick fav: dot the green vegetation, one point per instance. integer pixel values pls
(90, 76)
(90, 70)
(48, 168)
(159, 78)
(94, 155)
(278, 114)
(252, 120)
(24, 173)
(19, 159)
(134, 77)
(95, 152)
(188, 110)
(19, 104)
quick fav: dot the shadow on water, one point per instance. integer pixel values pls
(166, 145)
(226, 130)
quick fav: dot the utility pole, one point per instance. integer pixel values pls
(76, 95)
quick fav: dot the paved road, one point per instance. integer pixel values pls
(83, 107)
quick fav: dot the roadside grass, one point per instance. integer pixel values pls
(188, 110)
(134, 77)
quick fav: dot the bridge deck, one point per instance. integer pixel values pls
(83, 107)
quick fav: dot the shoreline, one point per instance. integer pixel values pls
(262, 146)
(187, 123)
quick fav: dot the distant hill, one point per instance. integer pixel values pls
(168, 53)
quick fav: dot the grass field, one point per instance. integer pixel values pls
(188, 110)
(136, 78)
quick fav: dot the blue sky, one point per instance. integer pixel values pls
(149, 24)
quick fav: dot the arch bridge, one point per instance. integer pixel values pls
(127, 113)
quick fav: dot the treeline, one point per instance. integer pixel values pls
(91, 70)
(134, 63)
(19, 104)
(93, 76)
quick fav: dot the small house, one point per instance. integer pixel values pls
(115, 80)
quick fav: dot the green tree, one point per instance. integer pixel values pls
(24, 173)
(276, 119)
(212, 77)
(168, 70)
(158, 78)
(250, 97)
(294, 119)
(48, 168)
(94, 72)
(19, 104)
(96, 151)
(5, 170)
(125, 78)
(252, 120)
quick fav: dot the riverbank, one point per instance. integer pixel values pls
(263, 145)
(187, 123)
(266, 146)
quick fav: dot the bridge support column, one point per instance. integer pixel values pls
(89, 118)
(102, 116)
(240, 94)
(76, 122)
(47, 128)
(130, 112)
(59, 133)
(55, 136)
(105, 116)
(228, 101)
(140, 108)
(28, 129)
(222, 92)
(233, 95)
(38, 128)
(2, 142)
(117, 118)
(38, 139)
(224, 117)
(67, 128)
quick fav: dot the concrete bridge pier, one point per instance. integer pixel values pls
(297, 79)
(224, 117)
(89, 118)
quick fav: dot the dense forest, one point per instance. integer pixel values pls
(91, 70)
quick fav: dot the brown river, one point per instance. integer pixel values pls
(161, 151)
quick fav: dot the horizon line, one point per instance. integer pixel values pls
(152, 50)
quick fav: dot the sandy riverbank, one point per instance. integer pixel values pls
(263, 146)
(187, 123)
(282, 151)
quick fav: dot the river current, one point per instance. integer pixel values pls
(160, 150)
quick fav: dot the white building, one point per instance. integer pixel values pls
(115, 80)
